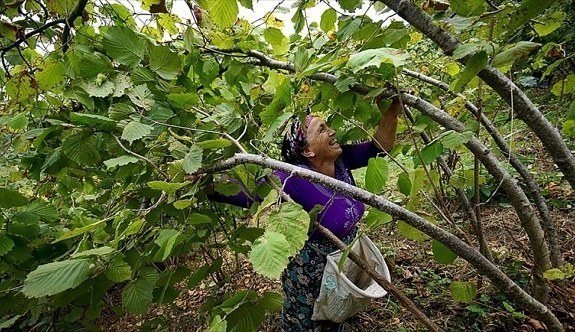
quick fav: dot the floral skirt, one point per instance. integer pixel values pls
(301, 282)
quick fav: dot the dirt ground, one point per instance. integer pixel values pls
(414, 272)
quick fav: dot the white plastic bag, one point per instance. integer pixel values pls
(343, 294)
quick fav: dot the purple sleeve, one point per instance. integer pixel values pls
(357, 155)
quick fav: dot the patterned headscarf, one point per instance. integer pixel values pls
(295, 141)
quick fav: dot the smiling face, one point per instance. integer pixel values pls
(321, 141)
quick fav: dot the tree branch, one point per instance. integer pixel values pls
(498, 278)
(74, 14)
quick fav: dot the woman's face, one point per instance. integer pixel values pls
(321, 141)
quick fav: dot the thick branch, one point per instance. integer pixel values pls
(498, 278)
(74, 14)
(532, 186)
(30, 34)
(526, 110)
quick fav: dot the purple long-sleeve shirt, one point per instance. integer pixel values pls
(340, 213)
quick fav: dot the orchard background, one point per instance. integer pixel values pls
(105, 106)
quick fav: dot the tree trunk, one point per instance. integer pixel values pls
(522, 105)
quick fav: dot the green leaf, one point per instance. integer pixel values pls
(518, 51)
(135, 130)
(52, 75)
(375, 57)
(271, 302)
(350, 5)
(463, 291)
(328, 19)
(11, 198)
(183, 101)
(441, 253)
(197, 218)
(141, 96)
(212, 144)
(223, 12)
(120, 161)
(472, 67)
(193, 159)
(118, 270)
(276, 38)
(6, 244)
(81, 149)
(56, 277)
(550, 24)
(164, 62)
(182, 204)
(9, 322)
(430, 153)
(292, 221)
(269, 255)
(166, 240)
(93, 120)
(376, 174)
(454, 139)
(411, 232)
(376, 218)
(563, 87)
(124, 45)
(467, 8)
(528, 10)
(137, 296)
(169, 188)
(276, 124)
(78, 231)
(99, 89)
(404, 184)
(218, 325)
(247, 4)
(101, 251)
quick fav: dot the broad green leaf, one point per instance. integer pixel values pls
(271, 302)
(136, 130)
(164, 62)
(87, 64)
(218, 325)
(565, 86)
(518, 51)
(411, 232)
(472, 67)
(328, 19)
(101, 87)
(269, 254)
(137, 296)
(141, 96)
(120, 161)
(247, 317)
(81, 149)
(18, 121)
(227, 188)
(223, 12)
(60, 7)
(6, 244)
(376, 174)
(430, 153)
(441, 253)
(183, 101)
(292, 221)
(375, 57)
(376, 218)
(550, 24)
(182, 204)
(404, 183)
(454, 139)
(170, 188)
(350, 5)
(214, 144)
(56, 277)
(118, 270)
(276, 38)
(276, 124)
(193, 159)
(11, 198)
(78, 231)
(25, 224)
(528, 10)
(9, 322)
(463, 291)
(197, 218)
(124, 45)
(93, 120)
(51, 76)
(166, 240)
(101, 251)
(467, 8)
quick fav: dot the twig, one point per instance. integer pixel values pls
(166, 176)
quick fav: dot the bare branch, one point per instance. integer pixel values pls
(74, 14)
(166, 176)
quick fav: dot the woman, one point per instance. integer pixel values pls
(313, 145)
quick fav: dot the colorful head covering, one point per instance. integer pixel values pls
(295, 141)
